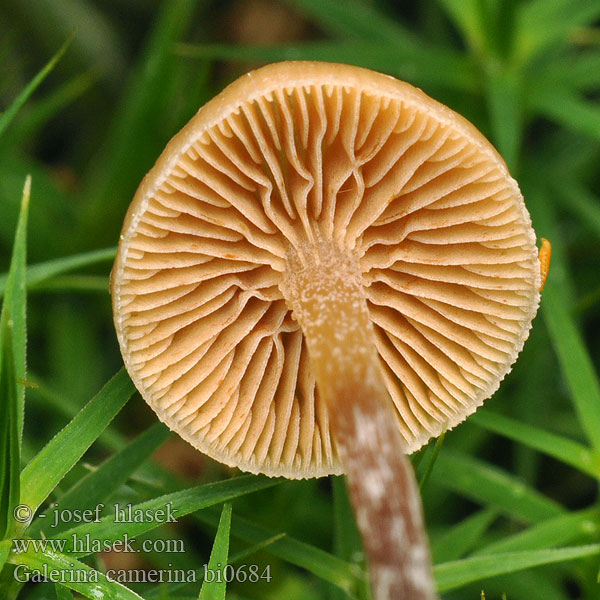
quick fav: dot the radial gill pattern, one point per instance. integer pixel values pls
(278, 163)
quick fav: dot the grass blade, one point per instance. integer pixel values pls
(489, 485)
(458, 573)
(462, 538)
(347, 576)
(255, 548)
(10, 113)
(42, 111)
(167, 590)
(63, 593)
(47, 469)
(542, 23)
(420, 64)
(49, 398)
(354, 19)
(575, 361)
(15, 301)
(214, 587)
(580, 202)
(503, 96)
(5, 547)
(9, 434)
(41, 272)
(346, 541)
(184, 502)
(97, 44)
(431, 459)
(78, 576)
(99, 484)
(51, 216)
(73, 283)
(563, 530)
(346, 538)
(417, 60)
(567, 109)
(467, 17)
(12, 370)
(563, 449)
(132, 146)
(580, 71)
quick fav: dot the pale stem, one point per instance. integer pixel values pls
(324, 288)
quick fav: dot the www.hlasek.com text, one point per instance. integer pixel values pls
(86, 544)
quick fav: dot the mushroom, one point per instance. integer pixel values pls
(324, 269)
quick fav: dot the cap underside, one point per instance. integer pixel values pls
(298, 152)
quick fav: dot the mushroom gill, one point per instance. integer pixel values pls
(318, 235)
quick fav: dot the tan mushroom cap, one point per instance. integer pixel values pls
(285, 157)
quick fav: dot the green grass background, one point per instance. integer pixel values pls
(512, 497)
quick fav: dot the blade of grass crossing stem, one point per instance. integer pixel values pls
(462, 538)
(99, 484)
(9, 114)
(172, 506)
(458, 573)
(567, 451)
(12, 370)
(215, 580)
(56, 459)
(78, 576)
(47, 270)
(62, 592)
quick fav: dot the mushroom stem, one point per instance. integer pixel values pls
(324, 288)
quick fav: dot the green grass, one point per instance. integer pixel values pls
(90, 93)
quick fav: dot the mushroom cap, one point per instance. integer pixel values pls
(291, 153)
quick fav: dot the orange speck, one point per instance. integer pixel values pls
(545, 254)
